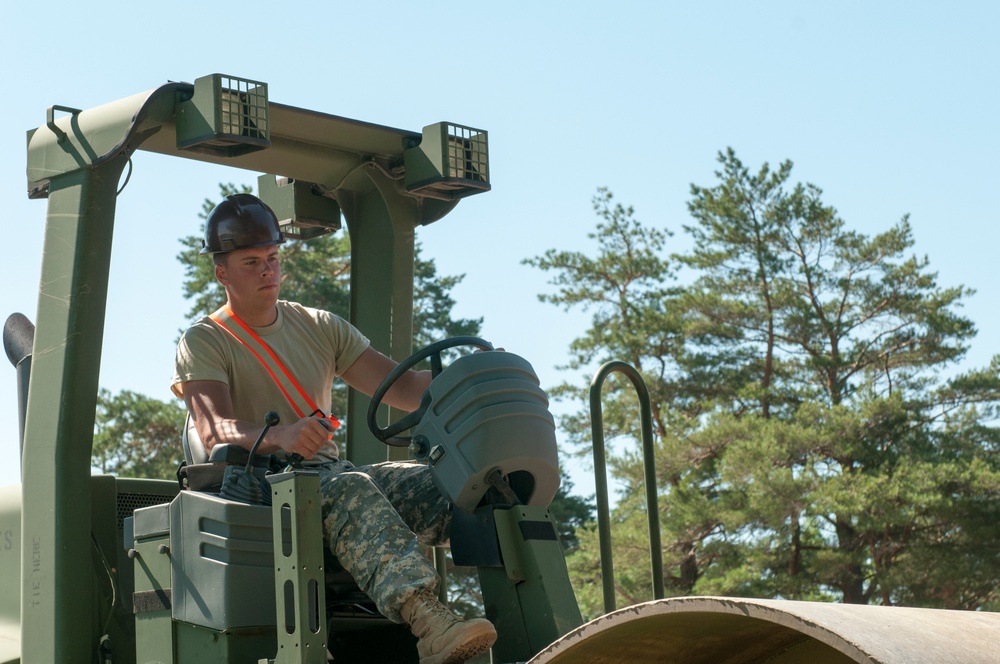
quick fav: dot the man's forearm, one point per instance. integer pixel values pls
(238, 432)
(407, 391)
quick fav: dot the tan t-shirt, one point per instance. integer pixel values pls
(314, 345)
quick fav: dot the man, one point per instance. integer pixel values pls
(259, 353)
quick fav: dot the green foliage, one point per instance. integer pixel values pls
(570, 512)
(627, 287)
(812, 438)
(137, 436)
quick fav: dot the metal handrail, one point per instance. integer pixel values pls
(600, 470)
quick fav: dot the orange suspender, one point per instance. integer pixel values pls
(282, 377)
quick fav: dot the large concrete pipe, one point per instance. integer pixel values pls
(721, 630)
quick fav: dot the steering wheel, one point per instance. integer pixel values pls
(433, 351)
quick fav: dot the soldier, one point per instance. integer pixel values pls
(259, 353)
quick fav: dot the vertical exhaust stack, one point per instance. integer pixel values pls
(18, 337)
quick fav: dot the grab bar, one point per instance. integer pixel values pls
(601, 481)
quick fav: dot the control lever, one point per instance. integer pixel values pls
(271, 419)
(240, 484)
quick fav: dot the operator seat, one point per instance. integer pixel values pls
(198, 462)
(194, 450)
(204, 471)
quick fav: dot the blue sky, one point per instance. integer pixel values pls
(891, 108)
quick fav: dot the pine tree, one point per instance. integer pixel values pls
(814, 439)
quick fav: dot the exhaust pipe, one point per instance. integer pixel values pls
(18, 337)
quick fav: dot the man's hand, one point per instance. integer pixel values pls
(305, 437)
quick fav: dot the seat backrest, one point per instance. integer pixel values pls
(194, 450)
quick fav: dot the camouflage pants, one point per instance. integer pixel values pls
(376, 519)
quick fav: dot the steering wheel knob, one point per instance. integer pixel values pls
(420, 447)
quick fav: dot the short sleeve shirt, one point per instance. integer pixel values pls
(315, 346)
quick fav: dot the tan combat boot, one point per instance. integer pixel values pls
(443, 637)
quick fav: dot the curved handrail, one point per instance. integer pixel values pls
(601, 481)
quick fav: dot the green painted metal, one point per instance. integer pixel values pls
(153, 627)
(450, 162)
(88, 139)
(141, 630)
(381, 238)
(76, 159)
(529, 600)
(225, 115)
(195, 643)
(601, 477)
(298, 568)
(59, 422)
(302, 211)
(10, 569)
